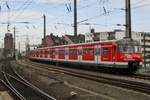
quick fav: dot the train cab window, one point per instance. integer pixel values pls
(129, 46)
(105, 51)
(129, 49)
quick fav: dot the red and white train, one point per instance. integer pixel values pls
(118, 54)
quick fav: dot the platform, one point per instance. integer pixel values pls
(5, 96)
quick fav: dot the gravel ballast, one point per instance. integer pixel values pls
(66, 87)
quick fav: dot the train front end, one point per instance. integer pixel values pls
(130, 52)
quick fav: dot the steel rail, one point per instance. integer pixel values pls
(31, 86)
(20, 79)
(34, 87)
(137, 86)
(142, 76)
(12, 88)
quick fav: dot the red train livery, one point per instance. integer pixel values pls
(121, 54)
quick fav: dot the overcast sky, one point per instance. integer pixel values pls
(102, 14)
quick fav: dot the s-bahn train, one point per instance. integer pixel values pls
(117, 54)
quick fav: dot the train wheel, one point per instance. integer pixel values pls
(133, 66)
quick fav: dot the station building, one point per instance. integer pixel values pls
(1, 53)
(8, 44)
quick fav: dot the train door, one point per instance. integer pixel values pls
(80, 54)
(106, 53)
(48, 53)
(114, 53)
(56, 54)
(66, 54)
(97, 54)
(51, 54)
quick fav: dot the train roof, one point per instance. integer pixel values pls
(120, 41)
(80, 44)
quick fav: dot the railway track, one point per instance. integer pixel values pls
(12, 92)
(142, 76)
(133, 85)
(22, 88)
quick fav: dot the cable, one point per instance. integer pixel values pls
(140, 6)
(19, 8)
(138, 2)
(25, 7)
(110, 12)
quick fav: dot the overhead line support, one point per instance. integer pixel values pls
(75, 18)
(128, 19)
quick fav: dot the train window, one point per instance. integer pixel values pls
(67, 51)
(114, 50)
(129, 49)
(37, 52)
(61, 52)
(52, 52)
(41, 52)
(56, 52)
(46, 52)
(72, 52)
(88, 51)
(105, 51)
(79, 51)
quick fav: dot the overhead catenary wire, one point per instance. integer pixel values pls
(88, 5)
(140, 6)
(23, 9)
(139, 2)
